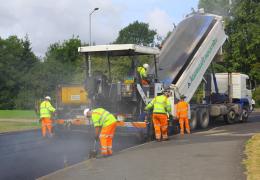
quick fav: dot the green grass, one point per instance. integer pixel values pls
(9, 126)
(252, 162)
(18, 114)
(18, 120)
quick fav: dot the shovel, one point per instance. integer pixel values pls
(93, 153)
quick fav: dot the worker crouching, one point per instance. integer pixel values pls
(161, 108)
(182, 113)
(105, 126)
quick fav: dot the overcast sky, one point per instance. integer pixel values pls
(49, 21)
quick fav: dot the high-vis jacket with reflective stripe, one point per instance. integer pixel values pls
(182, 109)
(46, 109)
(101, 117)
(160, 105)
(142, 71)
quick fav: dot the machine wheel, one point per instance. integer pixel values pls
(230, 117)
(193, 120)
(203, 118)
(245, 114)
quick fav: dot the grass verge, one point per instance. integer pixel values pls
(18, 114)
(9, 126)
(252, 162)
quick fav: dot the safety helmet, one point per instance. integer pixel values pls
(182, 96)
(161, 91)
(86, 111)
(146, 66)
(48, 98)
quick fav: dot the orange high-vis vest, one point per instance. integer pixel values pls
(182, 109)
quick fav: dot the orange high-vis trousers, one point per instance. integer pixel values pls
(184, 121)
(106, 139)
(46, 124)
(160, 122)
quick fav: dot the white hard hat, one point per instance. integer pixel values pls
(48, 97)
(86, 111)
(146, 66)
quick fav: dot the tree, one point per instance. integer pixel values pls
(242, 49)
(16, 59)
(136, 33)
(219, 7)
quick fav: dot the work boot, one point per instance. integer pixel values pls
(165, 139)
(188, 131)
(158, 140)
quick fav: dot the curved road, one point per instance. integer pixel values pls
(215, 154)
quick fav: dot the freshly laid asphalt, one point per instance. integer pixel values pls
(26, 156)
(215, 154)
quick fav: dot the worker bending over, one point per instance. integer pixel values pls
(46, 110)
(105, 126)
(182, 113)
(161, 107)
(143, 74)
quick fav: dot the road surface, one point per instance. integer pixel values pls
(26, 156)
(214, 154)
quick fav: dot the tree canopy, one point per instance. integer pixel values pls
(25, 78)
(136, 33)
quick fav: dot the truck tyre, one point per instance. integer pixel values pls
(230, 117)
(245, 114)
(203, 118)
(193, 120)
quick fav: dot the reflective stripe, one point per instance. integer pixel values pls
(163, 103)
(105, 135)
(104, 118)
(159, 109)
(99, 120)
(182, 109)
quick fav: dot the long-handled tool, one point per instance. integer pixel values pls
(93, 153)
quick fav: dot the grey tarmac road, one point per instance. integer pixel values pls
(215, 154)
(26, 156)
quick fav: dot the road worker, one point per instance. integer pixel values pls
(161, 109)
(182, 113)
(105, 126)
(143, 74)
(46, 110)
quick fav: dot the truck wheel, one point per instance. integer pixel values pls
(203, 118)
(193, 120)
(245, 114)
(230, 117)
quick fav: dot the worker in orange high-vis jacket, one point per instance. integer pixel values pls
(161, 109)
(46, 110)
(105, 126)
(182, 113)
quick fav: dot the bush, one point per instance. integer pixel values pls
(256, 96)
